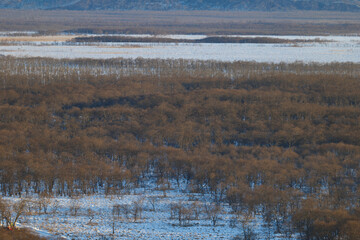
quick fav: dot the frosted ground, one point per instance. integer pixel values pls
(61, 223)
(335, 49)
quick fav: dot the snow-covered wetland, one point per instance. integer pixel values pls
(325, 50)
(178, 140)
(147, 212)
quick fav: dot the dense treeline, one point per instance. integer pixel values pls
(283, 145)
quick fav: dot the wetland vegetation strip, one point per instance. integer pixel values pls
(214, 39)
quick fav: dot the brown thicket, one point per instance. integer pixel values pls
(285, 144)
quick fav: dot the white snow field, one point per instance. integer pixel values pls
(335, 49)
(94, 218)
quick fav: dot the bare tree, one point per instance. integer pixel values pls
(213, 212)
(74, 206)
(11, 212)
(137, 209)
(55, 206)
(121, 211)
(197, 209)
(177, 211)
(90, 214)
(246, 218)
(153, 200)
(182, 212)
(114, 216)
(43, 203)
(116, 210)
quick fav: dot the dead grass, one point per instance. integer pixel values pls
(122, 46)
(18, 234)
(51, 38)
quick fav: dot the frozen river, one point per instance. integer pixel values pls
(335, 49)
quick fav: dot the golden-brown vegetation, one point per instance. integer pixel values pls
(284, 144)
(18, 234)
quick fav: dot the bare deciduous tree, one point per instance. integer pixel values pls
(137, 209)
(213, 212)
(11, 212)
(245, 218)
(182, 212)
(74, 206)
(153, 200)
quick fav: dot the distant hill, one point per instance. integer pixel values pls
(252, 5)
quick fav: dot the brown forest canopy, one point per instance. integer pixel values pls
(286, 142)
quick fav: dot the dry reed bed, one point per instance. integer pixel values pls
(50, 70)
(212, 39)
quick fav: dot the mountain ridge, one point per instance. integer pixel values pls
(226, 5)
